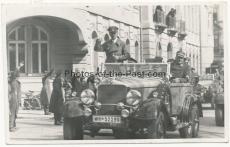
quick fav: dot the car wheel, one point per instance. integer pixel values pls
(219, 114)
(193, 129)
(72, 129)
(157, 130)
(121, 134)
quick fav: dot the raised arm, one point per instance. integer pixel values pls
(98, 47)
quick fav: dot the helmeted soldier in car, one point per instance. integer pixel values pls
(114, 48)
(179, 70)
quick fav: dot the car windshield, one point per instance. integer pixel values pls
(137, 69)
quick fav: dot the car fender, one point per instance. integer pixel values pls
(189, 100)
(148, 109)
(72, 108)
(219, 98)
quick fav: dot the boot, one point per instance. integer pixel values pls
(56, 119)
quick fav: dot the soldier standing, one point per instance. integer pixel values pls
(15, 97)
(45, 92)
(179, 70)
(57, 98)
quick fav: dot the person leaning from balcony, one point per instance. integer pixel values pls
(15, 97)
(114, 48)
(57, 97)
(186, 60)
(45, 92)
(179, 70)
(158, 9)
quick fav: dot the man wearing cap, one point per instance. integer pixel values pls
(15, 97)
(114, 48)
(186, 60)
(179, 70)
(193, 75)
(57, 97)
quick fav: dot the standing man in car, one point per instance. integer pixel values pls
(114, 48)
(179, 70)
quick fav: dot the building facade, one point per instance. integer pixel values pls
(218, 39)
(47, 38)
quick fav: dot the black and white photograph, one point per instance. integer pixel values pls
(119, 73)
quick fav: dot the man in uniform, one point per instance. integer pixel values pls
(114, 48)
(179, 70)
(193, 75)
(186, 60)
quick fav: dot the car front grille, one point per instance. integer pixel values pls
(109, 96)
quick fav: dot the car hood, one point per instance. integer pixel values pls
(138, 82)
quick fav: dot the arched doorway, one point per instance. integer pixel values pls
(94, 54)
(44, 43)
(137, 52)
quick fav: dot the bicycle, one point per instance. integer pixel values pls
(32, 101)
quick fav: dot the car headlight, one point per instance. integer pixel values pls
(87, 97)
(120, 106)
(97, 105)
(133, 97)
(87, 112)
(125, 113)
(155, 94)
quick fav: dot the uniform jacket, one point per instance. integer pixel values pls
(181, 72)
(45, 92)
(111, 48)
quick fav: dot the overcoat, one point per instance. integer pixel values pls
(45, 92)
(56, 100)
(15, 87)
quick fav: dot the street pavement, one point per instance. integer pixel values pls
(35, 126)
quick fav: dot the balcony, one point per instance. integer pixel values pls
(171, 26)
(181, 29)
(159, 19)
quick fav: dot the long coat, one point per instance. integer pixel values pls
(45, 92)
(56, 100)
(15, 92)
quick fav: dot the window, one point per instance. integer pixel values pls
(18, 49)
(216, 41)
(169, 51)
(39, 50)
(158, 50)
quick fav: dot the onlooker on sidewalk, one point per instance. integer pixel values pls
(14, 97)
(57, 97)
(45, 92)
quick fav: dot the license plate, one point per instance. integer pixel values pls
(107, 119)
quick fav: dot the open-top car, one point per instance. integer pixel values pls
(137, 102)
